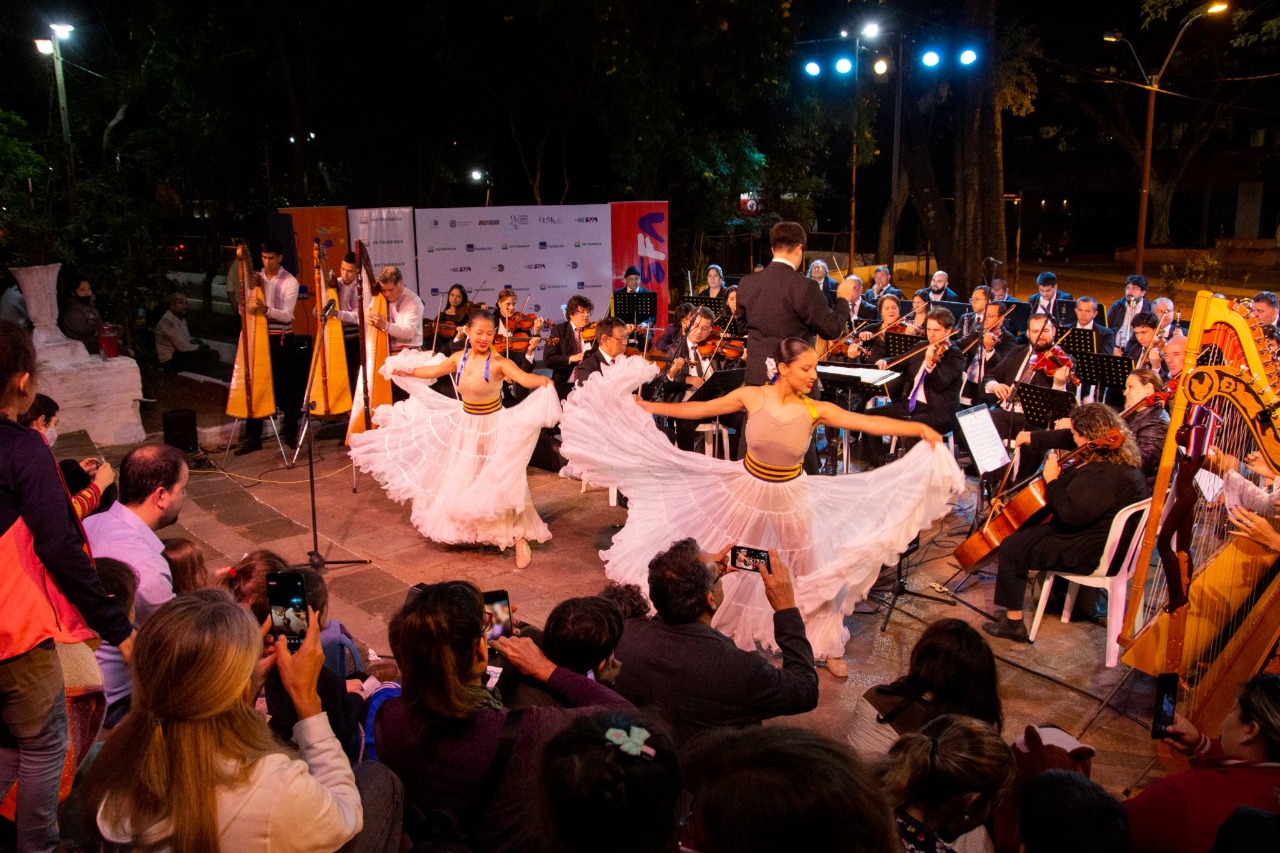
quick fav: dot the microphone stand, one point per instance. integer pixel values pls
(314, 558)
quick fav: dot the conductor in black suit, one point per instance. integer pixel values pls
(780, 303)
(930, 384)
(563, 358)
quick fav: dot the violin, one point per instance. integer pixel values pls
(1051, 361)
(729, 348)
(519, 322)
(441, 328)
(588, 334)
(518, 343)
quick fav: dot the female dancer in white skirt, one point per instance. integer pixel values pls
(462, 462)
(833, 532)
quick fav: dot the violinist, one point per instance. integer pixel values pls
(1167, 312)
(1084, 499)
(982, 357)
(457, 307)
(403, 322)
(930, 382)
(611, 343)
(1147, 420)
(512, 323)
(675, 331)
(1020, 366)
(564, 355)
(715, 286)
(1145, 347)
(871, 345)
(689, 370)
(919, 308)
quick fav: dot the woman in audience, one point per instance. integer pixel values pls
(945, 780)
(42, 417)
(186, 563)
(762, 790)
(952, 671)
(610, 781)
(1239, 768)
(194, 768)
(466, 761)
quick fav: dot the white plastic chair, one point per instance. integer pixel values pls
(1117, 585)
(712, 432)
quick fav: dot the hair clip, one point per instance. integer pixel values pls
(771, 369)
(631, 744)
(231, 572)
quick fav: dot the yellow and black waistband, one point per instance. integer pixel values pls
(772, 473)
(488, 407)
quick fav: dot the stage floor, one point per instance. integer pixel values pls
(258, 503)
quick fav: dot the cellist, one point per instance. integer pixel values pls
(280, 296)
(1083, 499)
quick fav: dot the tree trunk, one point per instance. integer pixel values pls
(1160, 206)
(926, 197)
(889, 222)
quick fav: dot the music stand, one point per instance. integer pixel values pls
(635, 308)
(1064, 313)
(1043, 406)
(1103, 371)
(1018, 317)
(714, 303)
(957, 309)
(1078, 342)
(898, 345)
(900, 587)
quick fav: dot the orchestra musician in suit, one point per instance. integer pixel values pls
(1016, 367)
(563, 357)
(861, 307)
(780, 303)
(1086, 319)
(1000, 291)
(688, 371)
(821, 273)
(1047, 295)
(1145, 347)
(980, 358)
(882, 284)
(1121, 313)
(930, 381)
(1266, 310)
(735, 328)
(611, 343)
(940, 288)
(873, 347)
(674, 331)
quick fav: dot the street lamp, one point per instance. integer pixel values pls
(1153, 86)
(479, 175)
(52, 47)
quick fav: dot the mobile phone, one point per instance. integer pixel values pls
(746, 559)
(497, 615)
(287, 598)
(1166, 704)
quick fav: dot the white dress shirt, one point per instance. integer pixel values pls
(281, 294)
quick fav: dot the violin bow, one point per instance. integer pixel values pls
(983, 331)
(915, 352)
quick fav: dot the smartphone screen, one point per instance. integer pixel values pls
(746, 559)
(497, 614)
(287, 598)
(1166, 704)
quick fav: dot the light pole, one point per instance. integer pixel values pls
(479, 175)
(1153, 86)
(53, 47)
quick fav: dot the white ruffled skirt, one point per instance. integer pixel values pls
(834, 533)
(465, 475)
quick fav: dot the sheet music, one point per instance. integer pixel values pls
(980, 433)
(865, 375)
(1210, 484)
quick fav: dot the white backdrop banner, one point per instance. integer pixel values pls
(545, 253)
(387, 232)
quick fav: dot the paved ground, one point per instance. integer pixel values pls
(258, 503)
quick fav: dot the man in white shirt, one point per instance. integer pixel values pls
(349, 314)
(175, 348)
(403, 321)
(153, 482)
(288, 369)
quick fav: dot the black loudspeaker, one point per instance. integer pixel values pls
(180, 430)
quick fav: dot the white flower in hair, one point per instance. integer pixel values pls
(771, 368)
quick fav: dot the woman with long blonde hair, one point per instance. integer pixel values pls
(193, 767)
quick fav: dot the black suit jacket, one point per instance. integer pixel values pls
(780, 303)
(1115, 314)
(947, 295)
(696, 679)
(592, 362)
(941, 385)
(1006, 372)
(888, 291)
(556, 358)
(1034, 299)
(867, 311)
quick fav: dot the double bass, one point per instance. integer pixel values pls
(252, 393)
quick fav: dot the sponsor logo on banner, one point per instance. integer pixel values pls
(572, 265)
(489, 222)
(582, 285)
(459, 269)
(542, 244)
(550, 220)
(518, 219)
(471, 247)
(535, 266)
(587, 219)
(499, 267)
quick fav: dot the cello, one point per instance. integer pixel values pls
(1030, 504)
(330, 390)
(373, 389)
(252, 393)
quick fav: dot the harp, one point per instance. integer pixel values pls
(252, 393)
(372, 388)
(330, 391)
(1208, 608)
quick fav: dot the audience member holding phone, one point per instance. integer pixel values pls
(467, 761)
(1241, 767)
(194, 767)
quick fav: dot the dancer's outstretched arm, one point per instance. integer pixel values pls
(832, 415)
(431, 371)
(734, 401)
(522, 377)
